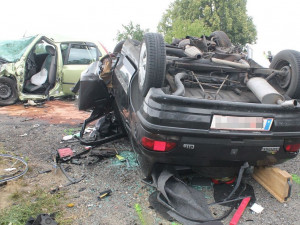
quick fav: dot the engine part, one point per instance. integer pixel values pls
(193, 52)
(180, 87)
(266, 93)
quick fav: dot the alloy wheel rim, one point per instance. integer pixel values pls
(5, 91)
(142, 65)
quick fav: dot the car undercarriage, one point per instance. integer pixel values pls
(200, 103)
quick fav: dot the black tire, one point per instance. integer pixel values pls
(118, 47)
(152, 63)
(8, 91)
(221, 39)
(288, 60)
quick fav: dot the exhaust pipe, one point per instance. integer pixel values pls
(267, 94)
(242, 65)
(179, 85)
(193, 52)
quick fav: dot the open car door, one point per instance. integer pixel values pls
(76, 58)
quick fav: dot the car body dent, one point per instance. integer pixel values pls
(63, 85)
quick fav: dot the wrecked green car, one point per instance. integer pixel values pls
(39, 67)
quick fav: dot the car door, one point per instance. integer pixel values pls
(76, 57)
(122, 75)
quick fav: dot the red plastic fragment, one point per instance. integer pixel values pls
(236, 217)
(65, 152)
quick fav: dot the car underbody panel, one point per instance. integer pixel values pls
(199, 104)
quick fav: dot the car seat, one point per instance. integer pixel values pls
(50, 68)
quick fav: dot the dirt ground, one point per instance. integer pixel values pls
(36, 133)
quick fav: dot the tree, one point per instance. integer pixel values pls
(206, 16)
(131, 31)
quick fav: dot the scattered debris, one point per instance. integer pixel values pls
(104, 194)
(68, 137)
(23, 135)
(42, 219)
(76, 161)
(31, 102)
(88, 147)
(236, 217)
(120, 158)
(257, 208)
(103, 153)
(65, 153)
(53, 191)
(9, 169)
(72, 180)
(18, 173)
(27, 119)
(70, 205)
(45, 171)
(81, 189)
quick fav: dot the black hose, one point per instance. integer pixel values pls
(175, 52)
(179, 85)
(72, 180)
(239, 179)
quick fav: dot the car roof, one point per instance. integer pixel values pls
(67, 39)
(61, 38)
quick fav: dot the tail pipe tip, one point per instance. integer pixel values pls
(288, 103)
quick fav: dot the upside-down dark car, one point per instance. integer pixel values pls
(198, 103)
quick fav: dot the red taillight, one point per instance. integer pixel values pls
(292, 147)
(160, 146)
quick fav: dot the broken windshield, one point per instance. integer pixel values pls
(12, 50)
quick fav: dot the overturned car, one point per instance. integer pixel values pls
(199, 103)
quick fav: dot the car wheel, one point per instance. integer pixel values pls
(152, 63)
(8, 91)
(288, 61)
(221, 39)
(118, 47)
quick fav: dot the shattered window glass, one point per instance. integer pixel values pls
(83, 54)
(12, 50)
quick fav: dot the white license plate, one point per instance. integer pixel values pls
(241, 123)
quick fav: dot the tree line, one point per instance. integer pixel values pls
(200, 17)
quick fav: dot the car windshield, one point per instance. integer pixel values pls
(12, 50)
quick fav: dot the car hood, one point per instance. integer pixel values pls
(12, 50)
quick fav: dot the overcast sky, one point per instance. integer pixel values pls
(277, 21)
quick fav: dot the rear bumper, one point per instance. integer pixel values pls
(187, 122)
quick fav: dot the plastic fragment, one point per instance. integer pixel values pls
(257, 208)
(236, 217)
(9, 169)
(104, 194)
(70, 205)
(65, 152)
(31, 102)
(68, 137)
(121, 158)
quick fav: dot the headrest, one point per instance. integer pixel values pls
(50, 49)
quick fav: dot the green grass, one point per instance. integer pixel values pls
(71, 131)
(296, 178)
(28, 205)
